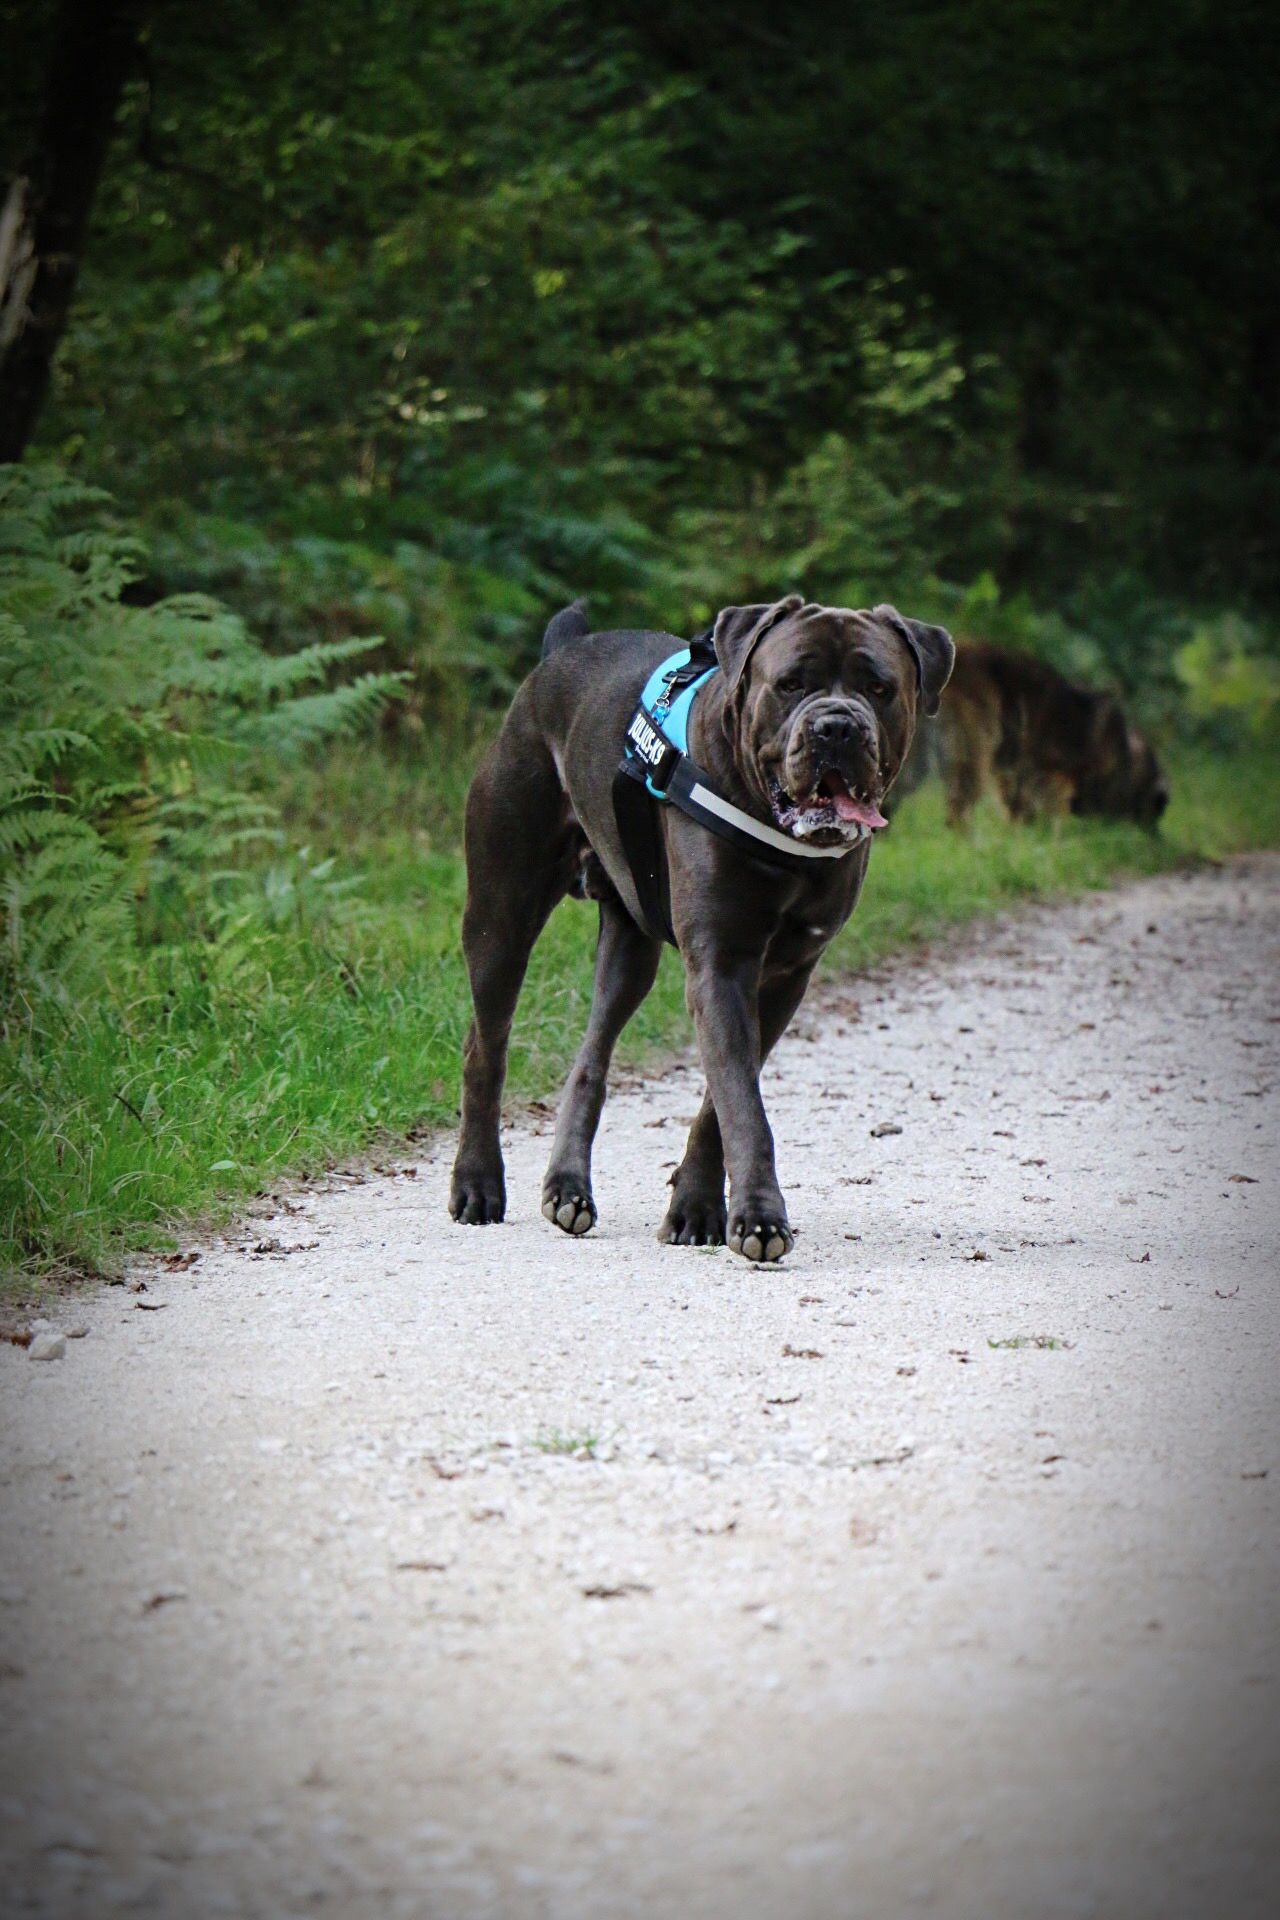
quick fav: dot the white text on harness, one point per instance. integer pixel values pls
(649, 745)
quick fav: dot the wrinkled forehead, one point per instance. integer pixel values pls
(828, 635)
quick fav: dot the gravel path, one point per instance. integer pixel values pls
(396, 1569)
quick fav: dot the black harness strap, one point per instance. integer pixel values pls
(636, 812)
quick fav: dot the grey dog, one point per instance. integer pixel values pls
(804, 727)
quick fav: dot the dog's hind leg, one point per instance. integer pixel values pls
(626, 963)
(519, 864)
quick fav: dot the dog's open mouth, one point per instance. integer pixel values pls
(834, 811)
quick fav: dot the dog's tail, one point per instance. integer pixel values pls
(570, 623)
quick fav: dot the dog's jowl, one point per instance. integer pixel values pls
(744, 841)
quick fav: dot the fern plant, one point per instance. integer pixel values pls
(130, 738)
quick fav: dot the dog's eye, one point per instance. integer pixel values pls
(879, 689)
(790, 683)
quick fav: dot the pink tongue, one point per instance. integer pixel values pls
(862, 811)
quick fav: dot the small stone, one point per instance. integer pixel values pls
(770, 1618)
(47, 1346)
(884, 1129)
(76, 1333)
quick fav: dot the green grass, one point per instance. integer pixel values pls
(308, 1031)
(578, 1446)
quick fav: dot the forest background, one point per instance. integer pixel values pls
(342, 343)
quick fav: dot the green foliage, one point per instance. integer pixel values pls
(128, 744)
(475, 306)
(1229, 678)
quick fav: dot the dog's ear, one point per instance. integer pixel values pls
(739, 631)
(932, 649)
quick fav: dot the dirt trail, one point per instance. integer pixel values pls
(862, 1605)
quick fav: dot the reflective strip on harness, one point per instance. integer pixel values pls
(741, 822)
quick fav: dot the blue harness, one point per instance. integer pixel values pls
(668, 699)
(656, 766)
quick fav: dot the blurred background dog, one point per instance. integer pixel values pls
(1015, 728)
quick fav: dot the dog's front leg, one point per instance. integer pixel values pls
(724, 998)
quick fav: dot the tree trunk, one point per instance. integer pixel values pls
(94, 45)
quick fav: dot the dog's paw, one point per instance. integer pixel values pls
(694, 1220)
(760, 1235)
(477, 1199)
(567, 1203)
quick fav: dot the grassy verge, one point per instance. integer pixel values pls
(330, 1018)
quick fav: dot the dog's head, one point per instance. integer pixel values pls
(1148, 793)
(1122, 778)
(822, 704)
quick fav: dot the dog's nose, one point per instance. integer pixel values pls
(833, 728)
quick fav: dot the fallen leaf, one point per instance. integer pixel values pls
(801, 1353)
(179, 1262)
(567, 1759)
(1242, 1179)
(619, 1592)
(422, 1566)
(150, 1306)
(783, 1400)
(1218, 1294)
(164, 1598)
(894, 1459)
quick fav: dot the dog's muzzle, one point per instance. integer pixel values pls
(830, 784)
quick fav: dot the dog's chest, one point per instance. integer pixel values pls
(801, 937)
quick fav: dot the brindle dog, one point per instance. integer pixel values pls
(805, 726)
(1015, 727)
